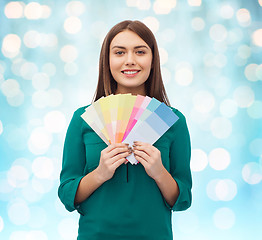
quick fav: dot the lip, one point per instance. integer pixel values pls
(130, 72)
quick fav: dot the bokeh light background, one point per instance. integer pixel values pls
(211, 59)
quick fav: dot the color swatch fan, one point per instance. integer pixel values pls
(128, 118)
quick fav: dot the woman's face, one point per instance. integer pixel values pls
(130, 60)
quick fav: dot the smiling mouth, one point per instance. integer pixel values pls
(130, 72)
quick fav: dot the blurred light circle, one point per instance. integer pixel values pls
(219, 159)
(16, 100)
(226, 11)
(255, 147)
(21, 235)
(68, 53)
(18, 212)
(235, 35)
(243, 17)
(50, 40)
(10, 87)
(72, 25)
(252, 173)
(40, 99)
(75, 8)
(254, 111)
(224, 218)
(152, 23)
(28, 69)
(260, 2)
(18, 176)
(36, 234)
(184, 74)
(71, 68)
(16, 65)
(240, 61)
(1, 127)
(244, 96)
(228, 108)
(250, 72)
(187, 219)
(203, 101)
(55, 98)
(143, 4)
(42, 167)
(218, 32)
(167, 35)
(42, 186)
(209, 59)
(39, 141)
(40, 81)
(30, 194)
(46, 11)
(259, 72)
(226, 189)
(32, 39)
(33, 11)
(198, 23)
(131, 3)
(194, 3)
(11, 45)
(221, 127)
(55, 121)
(67, 228)
(1, 224)
(14, 9)
(220, 60)
(16, 137)
(99, 29)
(164, 6)
(257, 37)
(199, 160)
(211, 187)
(166, 75)
(39, 219)
(244, 51)
(163, 56)
(49, 69)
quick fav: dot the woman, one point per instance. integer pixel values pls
(117, 202)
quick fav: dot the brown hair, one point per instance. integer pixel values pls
(154, 84)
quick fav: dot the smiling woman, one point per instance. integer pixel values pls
(130, 60)
(93, 174)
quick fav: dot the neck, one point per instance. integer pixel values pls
(133, 91)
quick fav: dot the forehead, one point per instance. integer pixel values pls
(127, 38)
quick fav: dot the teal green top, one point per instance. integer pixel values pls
(130, 205)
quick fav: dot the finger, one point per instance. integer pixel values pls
(115, 145)
(119, 162)
(145, 148)
(119, 156)
(118, 150)
(141, 160)
(141, 154)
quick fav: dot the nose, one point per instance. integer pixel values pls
(130, 59)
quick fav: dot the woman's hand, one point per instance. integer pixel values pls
(111, 158)
(150, 157)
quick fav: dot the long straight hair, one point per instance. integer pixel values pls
(154, 84)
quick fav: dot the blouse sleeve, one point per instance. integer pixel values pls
(73, 162)
(180, 153)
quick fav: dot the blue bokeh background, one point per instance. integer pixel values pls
(211, 60)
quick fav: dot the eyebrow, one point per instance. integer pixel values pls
(121, 47)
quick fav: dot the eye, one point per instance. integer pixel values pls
(119, 52)
(140, 52)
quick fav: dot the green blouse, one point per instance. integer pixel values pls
(130, 205)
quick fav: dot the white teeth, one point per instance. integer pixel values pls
(130, 72)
